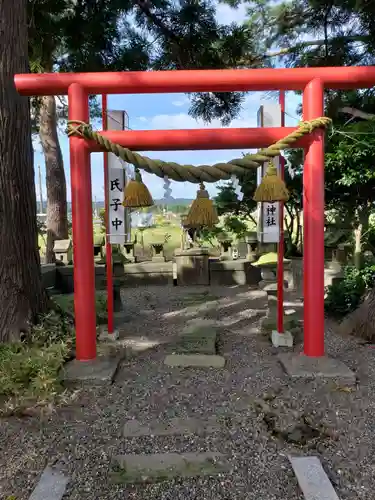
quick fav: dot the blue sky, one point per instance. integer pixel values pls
(170, 111)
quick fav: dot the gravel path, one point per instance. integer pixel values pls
(82, 437)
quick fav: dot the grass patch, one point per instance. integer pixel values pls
(66, 303)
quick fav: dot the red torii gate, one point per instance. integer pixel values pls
(312, 81)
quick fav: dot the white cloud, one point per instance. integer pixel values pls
(184, 121)
(180, 102)
(227, 15)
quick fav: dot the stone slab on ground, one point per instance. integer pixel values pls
(51, 486)
(100, 371)
(312, 479)
(173, 427)
(301, 366)
(194, 360)
(198, 337)
(166, 466)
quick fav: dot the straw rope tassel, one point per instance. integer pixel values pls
(136, 193)
(272, 187)
(202, 212)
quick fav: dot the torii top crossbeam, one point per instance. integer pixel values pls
(158, 82)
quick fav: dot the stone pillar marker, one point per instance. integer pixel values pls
(192, 266)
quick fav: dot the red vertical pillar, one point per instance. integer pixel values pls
(83, 244)
(280, 247)
(313, 224)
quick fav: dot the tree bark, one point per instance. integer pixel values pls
(57, 216)
(22, 296)
(360, 231)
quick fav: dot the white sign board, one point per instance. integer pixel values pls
(269, 115)
(117, 214)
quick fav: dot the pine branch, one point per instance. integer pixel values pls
(357, 113)
(310, 43)
(146, 7)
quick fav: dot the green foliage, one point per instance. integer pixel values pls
(350, 156)
(66, 303)
(102, 219)
(235, 226)
(344, 296)
(29, 370)
(188, 36)
(138, 35)
(227, 200)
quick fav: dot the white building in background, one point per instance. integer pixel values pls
(139, 219)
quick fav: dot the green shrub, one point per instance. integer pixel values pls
(29, 369)
(345, 295)
(66, 303)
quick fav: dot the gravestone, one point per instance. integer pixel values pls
(99, 242)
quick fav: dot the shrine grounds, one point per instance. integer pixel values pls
(251, 414)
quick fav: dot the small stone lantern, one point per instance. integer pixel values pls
(251, 239)
(129, 252)
(268, 266)
(157, 252)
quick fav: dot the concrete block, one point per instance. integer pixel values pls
(198, 337)
(194, 361)
(51, 486)
(301, 366)
(100, 371)
(172, 427)
(281, 339)
(312, 479)
(167, 466)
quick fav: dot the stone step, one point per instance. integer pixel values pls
(51, 486)
(131, 469)
(173, 427)
(312, 479)
(194, 361)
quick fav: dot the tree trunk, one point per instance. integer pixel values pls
(57, 216)
(361, 322)
(22, 296)
(358, 246)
